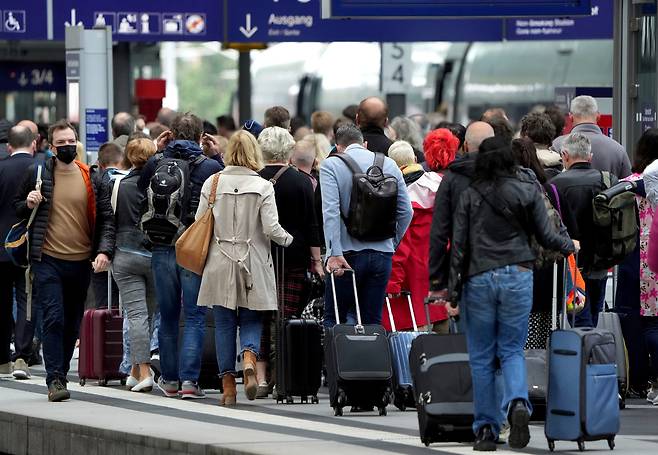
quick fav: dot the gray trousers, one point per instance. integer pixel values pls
(132, 273)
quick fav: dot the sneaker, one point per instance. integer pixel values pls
(6, 368)
(503, 436)
(653, 392)
(21, 370)
(155, 354)
(518, 417)
(57, 391)
(168, 388)
(485, 441)
(190, 390)
(263, 390)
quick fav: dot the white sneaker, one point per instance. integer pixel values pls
(146, 385)
(653, 393)
(655, 401)
(190, 390)
(21, 371)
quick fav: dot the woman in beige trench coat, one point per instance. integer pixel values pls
(238, 279)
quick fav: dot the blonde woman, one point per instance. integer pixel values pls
(238, 280)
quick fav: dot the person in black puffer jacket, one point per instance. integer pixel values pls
(492, 261)
(73, 224)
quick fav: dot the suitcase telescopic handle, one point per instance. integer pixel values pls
(390, 313)
(359, 326)
(411, 309)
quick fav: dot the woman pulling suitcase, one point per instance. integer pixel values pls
(491, 274)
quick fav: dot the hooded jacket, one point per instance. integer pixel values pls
(550, 160)
(455, 181)
(99, 209)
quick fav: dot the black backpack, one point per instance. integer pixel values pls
(169, 200)
(373, 202)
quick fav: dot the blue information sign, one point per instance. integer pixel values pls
(599, 25)
(452, 8)
(146, 20)
(32, 76)
(96, 129)
(293, 20)
(23, 20)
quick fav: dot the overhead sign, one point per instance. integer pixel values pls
(452, 8)
(301, 21)
(599, 25)
(396, 68)
(32, 76)
(162, 20)
(23, 20)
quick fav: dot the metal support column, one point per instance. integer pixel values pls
(244, 85)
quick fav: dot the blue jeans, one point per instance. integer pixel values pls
(60, 289)
(595, 290)
(227, 322)
(174, 284)
(496, 306)
(373, 269)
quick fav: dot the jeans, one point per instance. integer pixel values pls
(173, 284)
(227, 322)
(650, 326)
(126, 363)
(595, 290)
(372, 270)
(12, 284)
(496, 306)
(134, 278)
(60, 289)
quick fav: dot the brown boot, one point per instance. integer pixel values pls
(228, 384)
(250, 382)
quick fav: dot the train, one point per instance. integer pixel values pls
(459, 80)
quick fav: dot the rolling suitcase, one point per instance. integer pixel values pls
(442, 386)
(582, 397)
(609, 320)
(298, 352)
(358, 359)
(101, 342)
(403, 395)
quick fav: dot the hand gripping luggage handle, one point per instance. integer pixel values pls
(565, 315)
(359, 326)
(411, 310)
(428, 302)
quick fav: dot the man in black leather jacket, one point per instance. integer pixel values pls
(577, 187)
(74, 224)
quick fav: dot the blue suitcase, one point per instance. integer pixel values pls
(582, 397)
(400, 342)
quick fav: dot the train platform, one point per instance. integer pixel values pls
(110, 420)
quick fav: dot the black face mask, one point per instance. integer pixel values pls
(67, 153)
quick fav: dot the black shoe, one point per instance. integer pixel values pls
(518, 418)
(362, 409)
(485, 441)
(57, 391)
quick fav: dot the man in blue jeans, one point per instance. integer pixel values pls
(176, 286)
(370, 260)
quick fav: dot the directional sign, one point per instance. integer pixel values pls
(130, 20)
(452, 8)
(597, 26)
(32, 76)
(23, 20)
(300, 21)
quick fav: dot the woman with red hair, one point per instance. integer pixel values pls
(410, 270)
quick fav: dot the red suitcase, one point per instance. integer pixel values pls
(101, 343)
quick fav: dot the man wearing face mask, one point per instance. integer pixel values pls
(74, 225)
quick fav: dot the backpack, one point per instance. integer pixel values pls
(616, 228)
(547, 257)
(168, 197)
(373, 202)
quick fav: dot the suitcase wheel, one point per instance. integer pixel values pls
(581, 446)
(290, 400)
(315, 399)
(102, 382)
(82, 382)
(611, 443)
(304, 399)
(382, 411)
(551, 445)
(338, 411)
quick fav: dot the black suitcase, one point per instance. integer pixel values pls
(298, 350)
(358, 359)
(442, 386)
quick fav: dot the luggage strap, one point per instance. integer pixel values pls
(445, 358)
(28, 272)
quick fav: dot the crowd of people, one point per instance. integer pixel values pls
(472, 202)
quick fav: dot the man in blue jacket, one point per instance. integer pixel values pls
(172, 281)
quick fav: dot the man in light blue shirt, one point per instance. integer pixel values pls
(370, 260)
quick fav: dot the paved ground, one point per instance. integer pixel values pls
(149, 423)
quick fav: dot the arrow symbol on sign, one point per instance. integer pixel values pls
(73, 19)
(247, 31)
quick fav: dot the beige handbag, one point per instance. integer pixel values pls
(192, 247)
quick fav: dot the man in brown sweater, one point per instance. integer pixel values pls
(73, 226)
